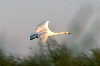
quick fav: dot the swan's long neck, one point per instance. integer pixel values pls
(53, 33)
(59, 33)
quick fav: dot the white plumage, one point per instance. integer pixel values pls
(43, 32)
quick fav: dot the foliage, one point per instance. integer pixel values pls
(58, 55)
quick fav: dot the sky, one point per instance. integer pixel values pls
(19, 19)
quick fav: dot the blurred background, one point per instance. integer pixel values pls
(19, 19)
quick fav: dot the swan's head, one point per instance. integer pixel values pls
(67, 33)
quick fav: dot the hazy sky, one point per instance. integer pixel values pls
(19, 19)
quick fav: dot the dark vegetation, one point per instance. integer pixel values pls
(58, 55)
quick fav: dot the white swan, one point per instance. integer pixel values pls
(43, 32)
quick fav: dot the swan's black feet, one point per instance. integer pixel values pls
(32, 38)
(37, 37)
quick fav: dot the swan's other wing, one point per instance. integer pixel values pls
(43, 38)
(42, 26)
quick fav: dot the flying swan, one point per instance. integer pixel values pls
(43, 32)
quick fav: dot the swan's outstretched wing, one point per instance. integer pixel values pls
(42, 26)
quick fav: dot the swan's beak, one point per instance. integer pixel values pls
(69, 33)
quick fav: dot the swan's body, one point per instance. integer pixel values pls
(43, 32)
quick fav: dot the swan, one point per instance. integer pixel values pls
(43, 32)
